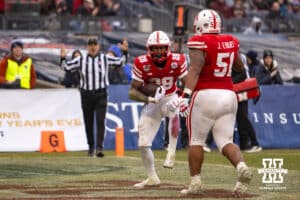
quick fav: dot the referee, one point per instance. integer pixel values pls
(94, 67)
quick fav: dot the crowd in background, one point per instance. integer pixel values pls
(242, 8)
(228, 8)
(270, 11)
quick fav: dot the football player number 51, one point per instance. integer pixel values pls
(224, 67)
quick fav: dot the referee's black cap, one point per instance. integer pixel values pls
(92, 41)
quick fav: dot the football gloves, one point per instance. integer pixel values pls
(173, 104)
(182, 102)
(16, 84)
(184, 106)
(159, 94)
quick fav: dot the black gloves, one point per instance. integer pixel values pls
(13, 85)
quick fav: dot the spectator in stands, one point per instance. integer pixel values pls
(273, 17)
(106, 8)
(83, 11)
(283, 8)
(244, 126)
(252, 62)
(255, 27)
(239, 11)
(222, 8)
(117, 74)
(62, 11)
(62, 8)
(72, 78)
(274, 12)
(155, 3)
(239, 8)
(75, 5)
(17, 70)
(86, 9)
(46, 7)
(2, 7)
(55, 6)
(267, 72)
(295, 8)
(259, 5)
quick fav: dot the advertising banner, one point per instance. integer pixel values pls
(25, 114)
(276, 116)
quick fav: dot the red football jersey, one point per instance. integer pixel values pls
(144, 70)
(221, 52)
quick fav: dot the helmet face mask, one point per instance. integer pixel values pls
(158, 53)
(158, 46)
(207, 21)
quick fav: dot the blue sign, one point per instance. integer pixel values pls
(276, 118)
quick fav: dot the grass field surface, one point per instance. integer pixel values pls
(74, 175)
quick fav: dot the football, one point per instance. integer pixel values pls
(149, 89)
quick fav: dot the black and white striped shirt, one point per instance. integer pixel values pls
(94, 70)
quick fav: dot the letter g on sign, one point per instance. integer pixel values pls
(53, 140)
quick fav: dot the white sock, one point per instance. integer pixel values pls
(172, 144)
(196, 178)
(240, 165)
(172, 140)
(148, 160)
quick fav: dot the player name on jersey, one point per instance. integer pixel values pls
(226, 45)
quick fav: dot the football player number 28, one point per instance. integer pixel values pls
(224, 67)
(167, 82)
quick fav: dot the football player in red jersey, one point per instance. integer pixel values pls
(162, 67)
(209, 98)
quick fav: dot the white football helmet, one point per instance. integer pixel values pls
(207, 21)
(158, 38)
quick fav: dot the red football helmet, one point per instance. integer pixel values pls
(158, 39)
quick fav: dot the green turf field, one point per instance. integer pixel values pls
(73, 175)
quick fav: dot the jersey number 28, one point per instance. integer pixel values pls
(167, 81)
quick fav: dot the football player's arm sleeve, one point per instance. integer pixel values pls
(72, 64)
(115, 61)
